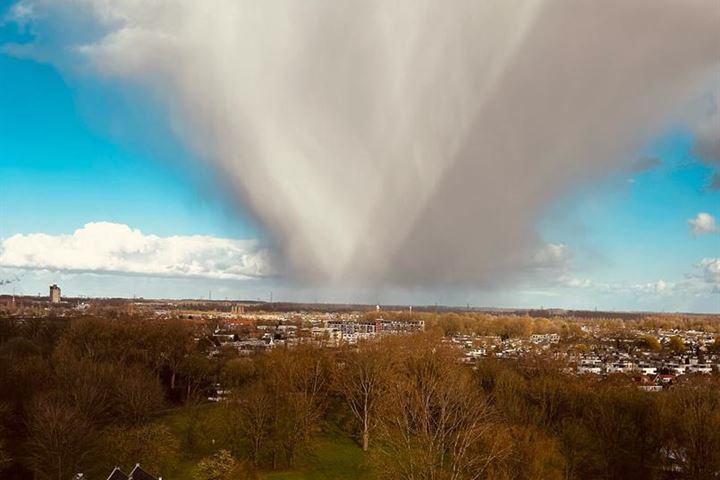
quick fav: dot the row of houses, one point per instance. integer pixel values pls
(331, 332)
(675, 365)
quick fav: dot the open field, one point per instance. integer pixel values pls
(333, 457)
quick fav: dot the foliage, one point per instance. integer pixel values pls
(218, 466)
(652, 343)
(676, 344)
(152, 445)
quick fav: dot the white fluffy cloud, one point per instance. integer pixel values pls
(551, 255)
(703, 223)
(710, 270)
(104, 247)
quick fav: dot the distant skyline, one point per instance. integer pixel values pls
(102, 194)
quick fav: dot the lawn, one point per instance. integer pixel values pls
(332, 457)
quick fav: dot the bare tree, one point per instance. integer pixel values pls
(279, 411)
(60, 439)
(196, 370)
(436, 424)
(251, 417)
(363, 378)
(137, 395)
(692, 420)
(175, 342)
(86, 385)
(297, 381)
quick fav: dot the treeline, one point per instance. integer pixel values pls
(91, 394)
(80, 394)
(512, 326)
(421, 415)
(505, 326)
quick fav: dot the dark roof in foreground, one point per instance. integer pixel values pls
(137, 474)
(140, 474)
(117, 474)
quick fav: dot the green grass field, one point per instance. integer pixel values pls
(331, 457)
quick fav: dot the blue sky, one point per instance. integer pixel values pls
(82, 148)
(637, 222)
(65, 162)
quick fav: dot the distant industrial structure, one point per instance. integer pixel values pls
(54, 294)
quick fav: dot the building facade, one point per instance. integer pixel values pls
(54, 294)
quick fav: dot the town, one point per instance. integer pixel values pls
(652, 349)
(231, 390)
